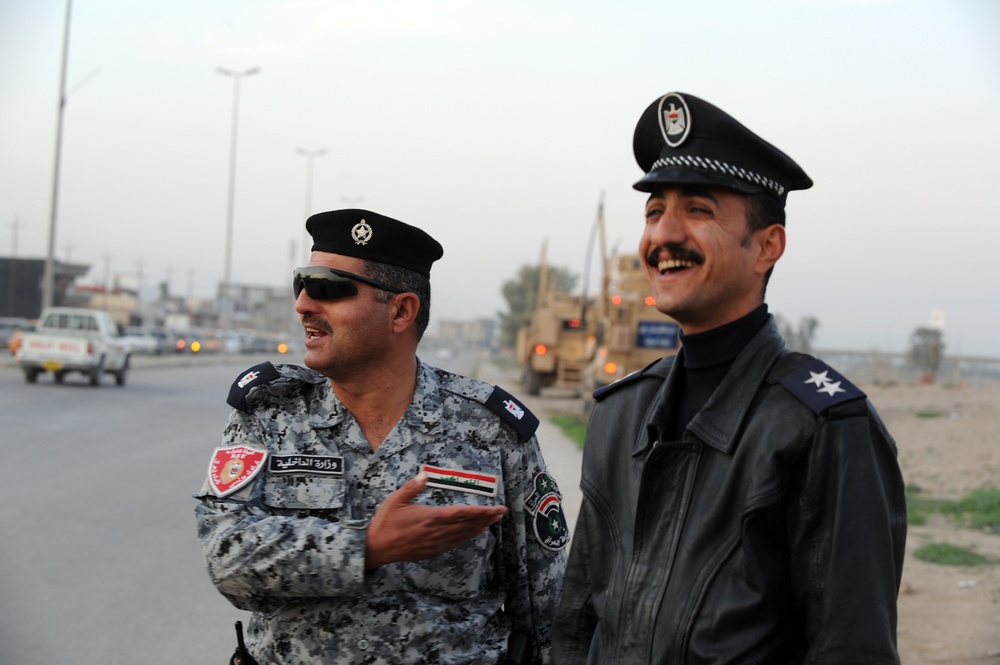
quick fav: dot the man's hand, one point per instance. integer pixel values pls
(401, 531)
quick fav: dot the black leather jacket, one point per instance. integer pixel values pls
(773, 532)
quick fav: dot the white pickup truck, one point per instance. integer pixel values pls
(71, 339)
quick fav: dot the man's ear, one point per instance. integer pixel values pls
(771, 242)
(404, 312)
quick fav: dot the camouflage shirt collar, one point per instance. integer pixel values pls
(427, 407)
(326, 409)
(424, 412)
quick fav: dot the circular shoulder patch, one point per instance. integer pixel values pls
(545, 504)
(550, 523)
(675, 119)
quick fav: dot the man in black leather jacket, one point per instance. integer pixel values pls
(742, 504)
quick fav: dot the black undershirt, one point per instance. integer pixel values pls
(707, 358)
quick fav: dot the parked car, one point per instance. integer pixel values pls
(141, 341)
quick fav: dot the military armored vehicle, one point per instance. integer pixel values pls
(552, 347)
(629, 332)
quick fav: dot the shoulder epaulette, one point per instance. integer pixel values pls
(645, 372)
(513, 412)
(262, 374)
(819, 386)
(496, 399)
(247, 381)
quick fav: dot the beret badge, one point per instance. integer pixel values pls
(361, 233)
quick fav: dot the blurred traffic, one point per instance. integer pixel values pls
(87, 341)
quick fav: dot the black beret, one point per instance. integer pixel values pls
(373, 237)
(685, 140)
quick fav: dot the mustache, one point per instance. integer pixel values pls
(676, 252)
(313, 321)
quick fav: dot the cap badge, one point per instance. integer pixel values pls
(675, 119)
(361, 233)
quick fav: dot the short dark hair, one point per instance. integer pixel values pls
(405, 280)
(763, 210)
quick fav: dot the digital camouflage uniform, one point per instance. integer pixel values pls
(289, 545)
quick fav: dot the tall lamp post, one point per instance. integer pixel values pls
(309, 155)
(227, 304)
(49, 276)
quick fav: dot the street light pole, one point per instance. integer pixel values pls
(49, 276)
(309, 155)
(227, 305)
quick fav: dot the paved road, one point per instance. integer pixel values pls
(98, 558)
(99, 564)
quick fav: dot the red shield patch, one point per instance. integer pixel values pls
(232, 468)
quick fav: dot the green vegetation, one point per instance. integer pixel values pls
(979, 510)
(918, 507)
(944, 554)
(931, 414)
(573, 426)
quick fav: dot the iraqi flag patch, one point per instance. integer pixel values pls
(463, 481)
(233, 468)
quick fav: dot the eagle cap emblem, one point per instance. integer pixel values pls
(361, 233)
(675, 119)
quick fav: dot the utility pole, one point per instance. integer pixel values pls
(12, 290)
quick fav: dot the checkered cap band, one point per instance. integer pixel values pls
(693, 161)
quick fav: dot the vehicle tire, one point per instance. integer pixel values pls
(95, 373)
(532, 382)
(59, 376)
(120, 374)
(31, 374)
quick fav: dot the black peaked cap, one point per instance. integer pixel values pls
(374, 237)
(681, 139)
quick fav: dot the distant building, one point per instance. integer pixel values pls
(21, 286)
(121, 304)
(263, 308)
(258, 309)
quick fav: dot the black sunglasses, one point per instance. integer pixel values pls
(331, 284)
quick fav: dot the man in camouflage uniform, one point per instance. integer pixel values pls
(374, 509)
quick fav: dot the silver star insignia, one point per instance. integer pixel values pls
(831, 388)
(817, 379)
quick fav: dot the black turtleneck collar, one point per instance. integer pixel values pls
(721, 345)
(706, 359)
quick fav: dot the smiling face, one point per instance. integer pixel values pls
(705, 267)
(344, 337)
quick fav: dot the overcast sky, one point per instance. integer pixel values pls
(497, 125)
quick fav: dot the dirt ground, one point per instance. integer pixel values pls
(947, 614)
